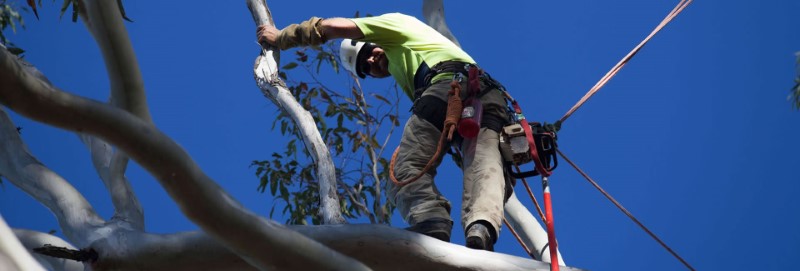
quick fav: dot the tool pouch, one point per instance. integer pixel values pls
(471, 115)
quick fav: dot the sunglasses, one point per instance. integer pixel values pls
(365, 66)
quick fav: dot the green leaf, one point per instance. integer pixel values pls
(379, 97)
(283, 189)
(15, 50)
(74, 11)
(64, 7)
(289, 66)
(273, 186)
(262, 186)
(122, 11)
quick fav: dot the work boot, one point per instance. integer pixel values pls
(479, 237)
(438, 228)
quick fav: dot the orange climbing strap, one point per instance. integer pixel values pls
(675, 11)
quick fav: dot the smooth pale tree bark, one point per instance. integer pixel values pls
(529, 230)
(232, 238)
(519, 217)
(199, 197)
(265, 70)
(379, 246)
(34, 239)
(433, 12)
(127, 92)
(110, 165)
(262, 242)
(74, 214)
(13, 255)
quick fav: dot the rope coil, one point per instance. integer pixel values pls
(454, 108)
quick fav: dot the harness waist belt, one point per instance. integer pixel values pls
(424, 74)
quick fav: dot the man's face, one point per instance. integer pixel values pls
(376, 64)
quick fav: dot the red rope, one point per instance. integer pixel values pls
(616, 203)
(675, 11)
(533, 198)
(519, 239)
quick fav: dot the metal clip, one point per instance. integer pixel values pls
(457, 76)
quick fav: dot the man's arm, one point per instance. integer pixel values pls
(312, 32)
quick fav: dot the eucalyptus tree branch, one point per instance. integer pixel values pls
(266, 76)
(529, 230)
(110, 166)
(433, 11)
(262, 242)
(380, 246)
(34, 239)
(174, 252)
(74, 213)
(13, 255)
(104, 21)
(386, 248)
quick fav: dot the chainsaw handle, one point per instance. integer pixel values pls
(520, 175)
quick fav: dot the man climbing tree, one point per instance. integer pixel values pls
(432, 71)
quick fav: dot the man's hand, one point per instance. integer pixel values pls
(267, 34)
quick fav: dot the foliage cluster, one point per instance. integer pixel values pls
(350, 123)
(10, 18)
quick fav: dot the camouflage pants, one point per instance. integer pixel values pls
(484, 183)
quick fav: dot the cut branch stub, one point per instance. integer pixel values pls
(82, 255)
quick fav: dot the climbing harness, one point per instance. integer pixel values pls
(523, 142)
(454, 108)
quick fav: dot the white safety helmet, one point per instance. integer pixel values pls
(351, 51)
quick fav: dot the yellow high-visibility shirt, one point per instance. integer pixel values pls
(408, 43)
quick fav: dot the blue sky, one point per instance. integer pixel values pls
(695, 136)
